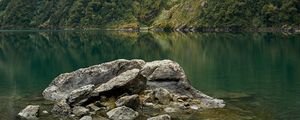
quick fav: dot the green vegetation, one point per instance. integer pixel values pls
(170, 14)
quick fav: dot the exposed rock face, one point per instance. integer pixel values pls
(61, 87)
(80, 95)
(160, 117)
(129, 81)
(163, 70)
(31, 112)
(122, 113)
(132, 101)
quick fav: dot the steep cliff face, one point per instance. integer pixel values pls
(170, 14)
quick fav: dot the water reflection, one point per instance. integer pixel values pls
(255, 73)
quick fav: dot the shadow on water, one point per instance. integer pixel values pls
(256, 74)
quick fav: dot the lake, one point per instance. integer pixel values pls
(257, 74)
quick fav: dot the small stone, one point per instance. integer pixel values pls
(80, 111)
(61, 108)
(45, 112)
(132, 101)
(160, 117)
(122, 113)
(30, 112)
(86, 118)
(170, 110)
(148, 104)
(93, 107)
(162, 95)
(99, 118)
(194, 107)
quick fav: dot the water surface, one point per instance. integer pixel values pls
(257, 74)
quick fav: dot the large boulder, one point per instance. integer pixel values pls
(169, 75)
(31, 112)
(163, 70)
(122, 113)
(113, 79)
(64, 84)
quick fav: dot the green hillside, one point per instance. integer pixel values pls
(168, 14)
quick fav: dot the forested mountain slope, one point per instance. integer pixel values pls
(48, 14)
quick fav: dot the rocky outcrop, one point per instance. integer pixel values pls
(122, 113)
(122, 86)
(31, 112)
(62, 85)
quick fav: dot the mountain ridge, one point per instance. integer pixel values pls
(157, 14)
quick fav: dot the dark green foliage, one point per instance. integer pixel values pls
(250, 13)
(20, 14)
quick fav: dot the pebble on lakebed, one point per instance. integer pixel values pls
(124, 89)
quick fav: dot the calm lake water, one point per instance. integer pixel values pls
(257, 74)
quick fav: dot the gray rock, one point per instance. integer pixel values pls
(61, 108)
(212, 103)
(161, 117)
(80, 95)
(86, 118)
(30, 112)
(80, 111)
(169, 75)
(61, 86)
(132, 101)
(170, 110)
(162, 95)
(163, 70)
(129, 81)
(122, 113)
(93, 107)
(99, 118)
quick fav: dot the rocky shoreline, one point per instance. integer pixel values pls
(123, 90)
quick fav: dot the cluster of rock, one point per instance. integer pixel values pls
(121, 89)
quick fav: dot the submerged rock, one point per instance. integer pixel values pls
(30, 112)
(122, 113)
(161, 117)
